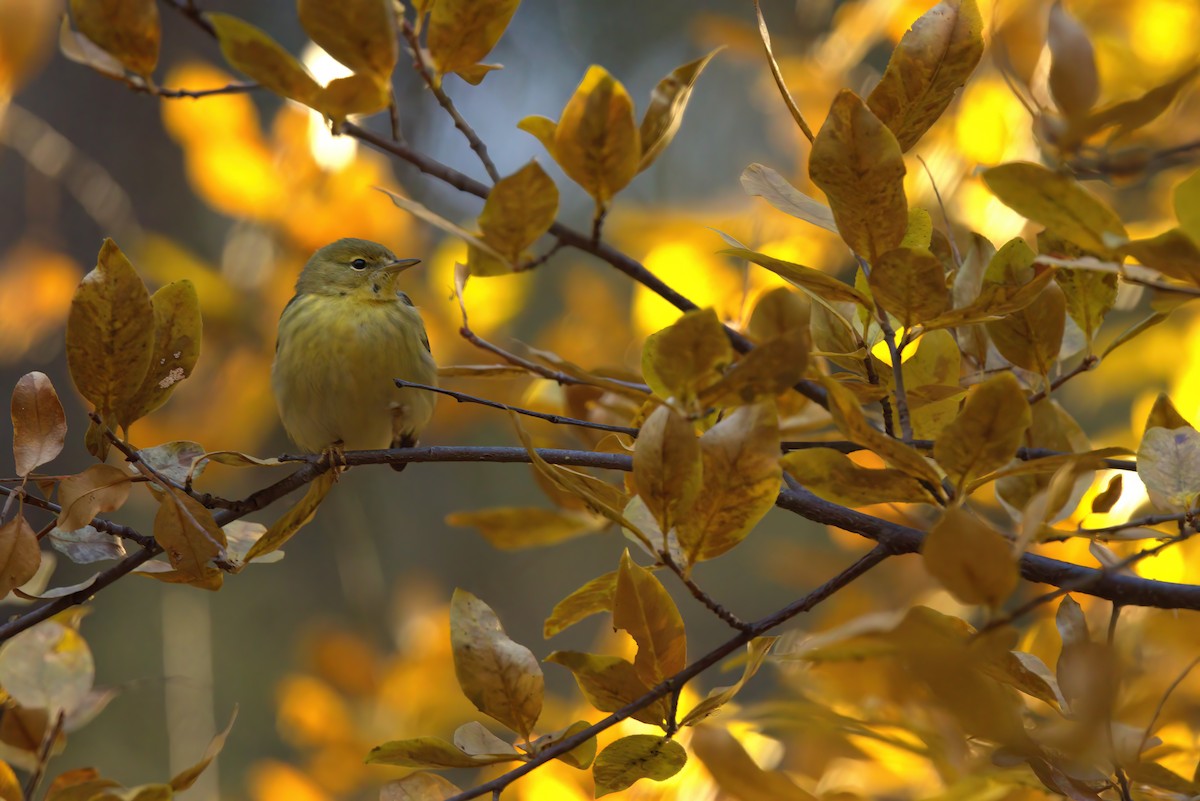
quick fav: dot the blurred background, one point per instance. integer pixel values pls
(344, 643)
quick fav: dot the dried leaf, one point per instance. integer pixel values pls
(642, 607)
(737, 774)
(254, 53)
(1168, 463)
(1106, 500)
(813, 281)
(592, 598)
(462, 32)
(19, 553)
(500, 677)
(97, 490)
(764, 36)
(126, 29)
(519, 209)
(910, 284)
(80, 49)
(776, 190)
(473, 738)
(186, 778)
(857, 162)
(359, 33)
(832, 475)
(1163, 414)
(741, 476)
(596, 141)
(39, 423)
(485, 259)
(970, 558)
(667, 466)
(86, 545)
(429, 752)
(930, 64)
(987, 432)
(294, 519)
(1074, 81)
(610, 683)
(668, 101)
(189, 535)
(638, 756)
(512, 528)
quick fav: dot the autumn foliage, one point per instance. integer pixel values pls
(885, 345)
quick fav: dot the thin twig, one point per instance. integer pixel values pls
(43, 755)
(885, 405)
(1085, 365)
(700, 595)
(540, 260)
(189, 10)
(192, 94)
(958, 262)
(435, 86)
(1162, 702)
(1147, 521)
(98, 523)
(674, 684)
(557, 419)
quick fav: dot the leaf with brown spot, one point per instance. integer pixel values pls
(857, 162)
(609, 683)
(596, 141)
(500, 677)
(933, 60)
(462, 32)
(770, 369)
(637, 756)
(687, 356)
(39, 423)
(129, 30)
(667, 466)
(519, 209)
(987, 432)
(970, 558)
(189, 536)
(642, 607)
(910, 284)
(177, 336)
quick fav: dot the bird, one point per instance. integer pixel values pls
(343, 337)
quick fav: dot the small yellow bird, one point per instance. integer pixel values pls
(342, 339)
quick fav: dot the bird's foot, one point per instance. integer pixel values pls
(334, 456)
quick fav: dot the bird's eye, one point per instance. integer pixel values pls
(359, 264)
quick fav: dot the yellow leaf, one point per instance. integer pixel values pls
(987, 432)
(462, 32)
(596, 141)
(82, 50)
(741, 476)
(934, 367)
(970, 558)
(418, 787)
(186, 778)
(543, 129)
(177, 336)
(776, 190)
(500, 677)
(910, 283)
(686, 357)
(512, 528)
(592, 598)
(995, 301)
(98, 489)
(294, 519)
(354, 94)
(756, 652)
(359, 33)
(519, 209)
(816, 282)
(474, 738)
(1031, 337)
(110, 333)
(638, 756)
(188, 535)
(1173, 253)
(1074, 81)
(1129, 115)
(475, 73)
(919, 234)
(777, 313)
(126, 29)
(500, 264)
(1163, 414)
(609, 683)
(737, 774)
(930, 64)
(10, 788)
(579, 757)
(642, 607)
(26, 37)
(254, 53)
(771, 368)
(39, 423)
(429, 752)
(667, 466)
(1058, 202)
(832, 475)
(1089, 295)
(668, 101)
(857, 162)
(1186, 200)
(1168, 463)
(20, 555)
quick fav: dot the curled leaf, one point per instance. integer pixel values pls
(38, 421)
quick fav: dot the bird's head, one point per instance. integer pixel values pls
(353, 267)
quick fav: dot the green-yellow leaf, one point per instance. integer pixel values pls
(177, 334)
(930, 64)
(667, 466)
(500, 677)
(592, 598)
(542, 128)
(596, 141)
(832, 475)
(38, 421)
(354, 94)
(1058, 202)
(253, 52)
(756, 651)
(857, 162)
(128, 30)
(359, 33)
(823, 285)
(741, 476)
(462, 32)
(609, 683)
(48, 667)
(1186, 201)
(519, 209)
(511, 528)
(294, 518)
(638, 756)
(970, 558)
(668, 101)
(910, 284)
(1174, 253)
(1032, 337)
(642, 607)
(987, 432)
(777, 313)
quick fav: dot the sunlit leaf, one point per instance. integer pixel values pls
(638, 756)
(474, 738)
(771, 368)
(1186, 201)
(987, 432)
(1173, 253)
(668, 101)
(353, 94)
(1074, 81)
(579, 757)
(970, 558)
(667, 466)
(1168, 463)
(596, 141)
(910, 284)
(462, 32)
(592, 598)
(429, 752)
(857, 161)
(756, 651)
(500, 677)
(253, 52)
(777, 313)
(610, 683)
(47, 667)
(519, 209)
(849, 418)
(38, 421)
(359, 33)
(686, 357)
(832, 475)
(930, 64)
(82, 50)
(642, 607)
(737, 774)
(497, 263)
(776, 190)
(818, 283)
(126, 29)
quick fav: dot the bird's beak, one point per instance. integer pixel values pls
(399, 265)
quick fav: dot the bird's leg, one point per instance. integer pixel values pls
(334, 455)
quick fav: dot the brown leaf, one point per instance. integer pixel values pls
(930, 64)
(592, 598)
(39, 423)
(857, 161)
(668, 101)
(642, 607)
(189, 536)
(1074, 81)
(359, 33)
(519, 209)
(777, 313)
(686, 357)
(186, 778)
(500, 677)
(609, 683)
(667, 466)
(637, 756)
(741, 476)
(970, 558)
(20, 555)
(99, 489)
(253, 52)
(987, 432)
(910, 284)
(177, 335)
(462, 32)
(1106, 500)
(832, 475)
(429, 752)
(596, 141)
(1031, 337)
(512, 528)
(126, 29)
